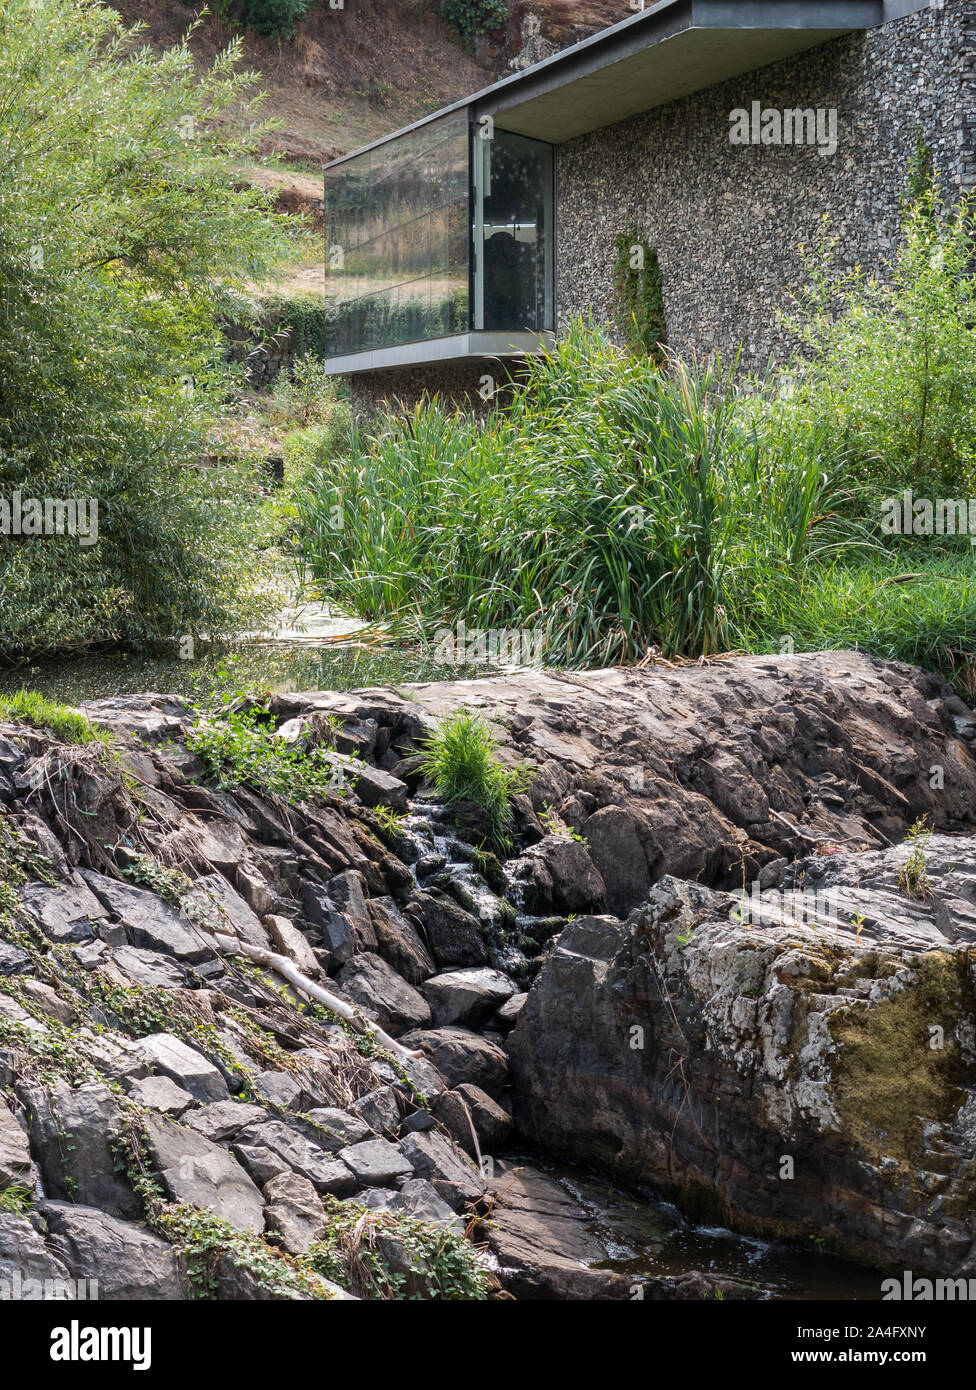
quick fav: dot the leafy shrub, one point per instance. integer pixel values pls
(638, 286)
(307, 395)
(471, 17)
(891, 361)
(238, 747)
(276, 18)
(112, 372)
(460, 760)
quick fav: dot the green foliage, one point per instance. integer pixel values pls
(388, 1255)
(308, 396)
(125, 241)
(921, 175)
(638, 286)
(913, 877)
(276, 18)
(205, 1239)
(619, 508)
(238, 747)
(460, 760)
(891, 361)
(28, 707)
(471, 17)
(590, 511)
(301, 314)
(175, 888)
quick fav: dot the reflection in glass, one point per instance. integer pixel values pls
(516, 235)
(397, 230)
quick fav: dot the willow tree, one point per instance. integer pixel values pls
(126, 236)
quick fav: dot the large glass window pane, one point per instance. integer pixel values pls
(515, 234)
(398, 231)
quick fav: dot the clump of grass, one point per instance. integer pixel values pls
(17, 1201)
(28, 707)
(428, 1262)
(460, 760)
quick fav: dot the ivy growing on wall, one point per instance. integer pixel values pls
(637, 284)
(471, 17)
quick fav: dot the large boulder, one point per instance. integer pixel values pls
(454, 937)
(467, 997)
(125, 1260)
(558, 875)
(199, 1173)
(461, 1055)
(72, 1130)
(794, 1065)
(398, 942)
(370, 982)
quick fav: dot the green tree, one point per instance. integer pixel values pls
(125, 238)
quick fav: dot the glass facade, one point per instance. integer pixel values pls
(513, 233)
(410, 256)
(398, 240)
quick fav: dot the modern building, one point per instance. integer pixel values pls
(722, 131)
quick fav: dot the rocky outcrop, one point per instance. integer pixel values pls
(801, 1061)
(221, 1119)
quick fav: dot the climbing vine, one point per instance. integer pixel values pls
(638, 287)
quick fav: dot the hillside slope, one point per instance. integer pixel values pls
(348, 76)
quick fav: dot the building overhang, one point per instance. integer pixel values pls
(662, 54)
(458, 348)
(668, 50)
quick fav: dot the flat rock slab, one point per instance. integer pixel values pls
(224, 1118)
(66, 911)
(202, 1174)
(274, 1147)
(376, 1162)
(184, 1065)
(124, 1259)
(692, 769)
(151, 923)
(162, 1094)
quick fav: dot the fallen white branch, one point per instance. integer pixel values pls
(287, 969)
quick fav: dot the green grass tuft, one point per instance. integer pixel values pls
(460, 761)
(28, 707)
